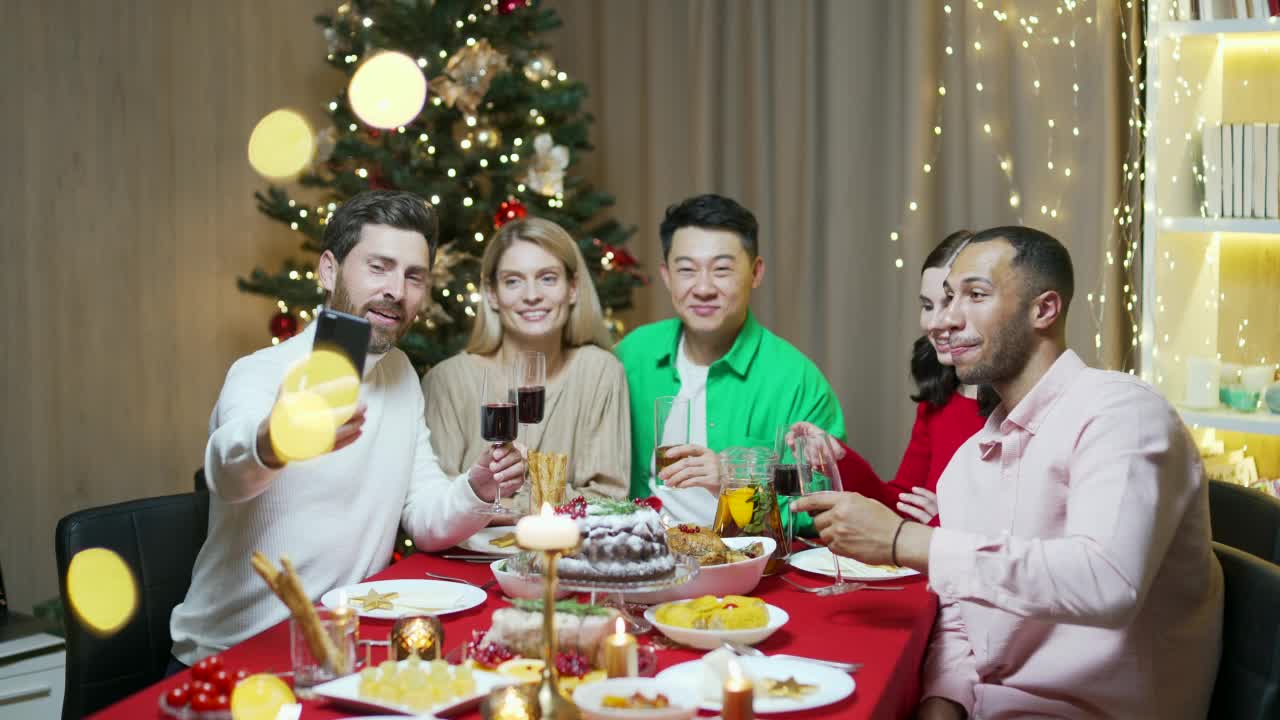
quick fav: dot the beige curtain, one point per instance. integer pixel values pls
(820, 115)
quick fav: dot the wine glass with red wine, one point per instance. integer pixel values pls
(529, 386)
(498, 422)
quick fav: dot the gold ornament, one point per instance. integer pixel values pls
(421, 635)
(540, 66)
(376, 600)
(467, 75)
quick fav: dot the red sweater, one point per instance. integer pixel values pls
(935, 437)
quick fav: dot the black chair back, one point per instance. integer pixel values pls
(159, 538)
(1245, 519)
(1248, 683)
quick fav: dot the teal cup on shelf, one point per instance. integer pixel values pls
(1239, 398)
(1272, 398)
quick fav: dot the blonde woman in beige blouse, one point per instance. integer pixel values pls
(537, 295)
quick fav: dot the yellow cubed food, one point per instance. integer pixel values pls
(742, 600)
(702, 604)
(741, 618)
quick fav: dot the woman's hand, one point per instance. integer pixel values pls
(919, 504)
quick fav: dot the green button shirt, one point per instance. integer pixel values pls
(761, 383)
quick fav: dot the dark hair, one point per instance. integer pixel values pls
(934, 381)
(401, 210)
(714, 212)
(1046, 262)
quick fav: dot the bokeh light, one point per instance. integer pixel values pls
(388, 90)
(282, 145)
(317, 396)
(260, 697)
(101, 590)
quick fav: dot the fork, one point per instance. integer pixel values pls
(829, 590)
(484, 586)
(747, 650)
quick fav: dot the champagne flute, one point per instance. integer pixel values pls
(498, 423)
(671, 420)
(819, 474)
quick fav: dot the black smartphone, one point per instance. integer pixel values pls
(343, 333)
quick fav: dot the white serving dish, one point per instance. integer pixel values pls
(416, 597)
(589, 699)
(738, 578)
(712, 639)
(516, 586)
(833, 685)
(345, 691)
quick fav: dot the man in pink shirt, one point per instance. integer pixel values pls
(1073, 566)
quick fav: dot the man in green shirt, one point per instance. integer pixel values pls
(741, 380)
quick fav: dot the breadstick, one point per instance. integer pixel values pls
(288, 587)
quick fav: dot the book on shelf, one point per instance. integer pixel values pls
(1241, 170)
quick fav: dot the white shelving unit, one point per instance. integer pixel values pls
(1210, 286)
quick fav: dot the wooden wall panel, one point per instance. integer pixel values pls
(126, 213)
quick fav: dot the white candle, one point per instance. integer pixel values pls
(547, 531)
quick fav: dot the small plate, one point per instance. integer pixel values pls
(819, 561)
(345, 691)
(416, 597)
(590, 697)
(833, 685)
(479, 542)
(711, 639)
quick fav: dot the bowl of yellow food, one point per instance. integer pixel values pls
(706, 622)
(636, 699)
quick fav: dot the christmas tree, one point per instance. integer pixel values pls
(495, 140)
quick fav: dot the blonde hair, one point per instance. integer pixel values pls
(585, 325)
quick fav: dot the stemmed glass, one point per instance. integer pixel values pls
(820, 474)
(528, 389)
(498, 423)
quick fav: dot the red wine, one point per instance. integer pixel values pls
(532, 402)
(498, 422)
(786, 479)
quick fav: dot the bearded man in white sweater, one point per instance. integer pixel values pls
(335, 516)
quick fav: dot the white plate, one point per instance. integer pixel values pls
(479, 542)
(417, 597)
(711, 639)
(738, 578)
(818, 560)
(833, 685)
(590, 699)
(345, 691)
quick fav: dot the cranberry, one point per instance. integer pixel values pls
(652, 502)
(241, 674)
(223, 681)
(205, 669)
(204, 701)
(575, 508)
(572, 664)
(179, 696)
(688, 529)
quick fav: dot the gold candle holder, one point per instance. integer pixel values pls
(513, 702)
(551, 704)
(420, 635)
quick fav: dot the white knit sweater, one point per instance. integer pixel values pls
(334, 516)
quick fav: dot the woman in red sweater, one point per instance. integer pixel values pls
(947, 412)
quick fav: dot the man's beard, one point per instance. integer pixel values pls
(381, 340)
(1007, 354)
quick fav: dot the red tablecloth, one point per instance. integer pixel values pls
(887, 631)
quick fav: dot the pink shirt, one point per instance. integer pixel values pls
(1073, 567)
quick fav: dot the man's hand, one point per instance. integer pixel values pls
(853, 525)
(348, 432)
(939, 708)
(696, 466)
(498, 472)
(919, 504)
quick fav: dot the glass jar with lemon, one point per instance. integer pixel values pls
(748, 502)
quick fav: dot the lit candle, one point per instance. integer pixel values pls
(621, 658)
(547, 531)
(738, 695)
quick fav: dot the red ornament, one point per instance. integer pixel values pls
(283, 326)
(508, 210)
(506, 7)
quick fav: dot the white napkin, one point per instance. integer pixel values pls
(687, 505)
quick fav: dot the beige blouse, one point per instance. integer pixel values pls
(587, 416)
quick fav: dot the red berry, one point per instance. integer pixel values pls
(221, 701)
(241, 674)
(179, 696)
(652, 502)
(203, 701)
(223, 681)
(688, 529)
(205, 669)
